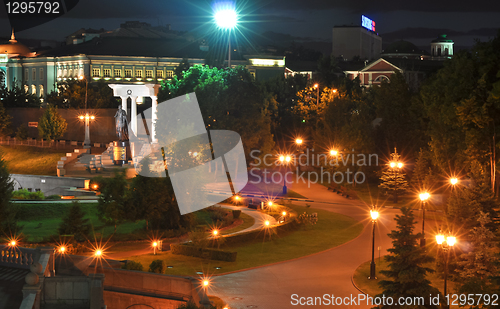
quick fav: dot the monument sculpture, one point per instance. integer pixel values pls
(120, 146)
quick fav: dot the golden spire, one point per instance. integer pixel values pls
(12, 37)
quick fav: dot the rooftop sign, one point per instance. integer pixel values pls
(367, 23)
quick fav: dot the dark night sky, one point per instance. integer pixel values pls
(461, 20)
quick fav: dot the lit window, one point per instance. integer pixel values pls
(149, 73)
(170, 74)
(59, 73)
(41, 90)
(33, 89)
(107, 72)
(128, 73)
(33, 74)
(70, 73)
(26, 72)
(41, 74)
(96, 72)
(118, 73)
(159, 74)
(138, 74)
(65, 73)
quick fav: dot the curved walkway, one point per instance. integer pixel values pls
(327, 272)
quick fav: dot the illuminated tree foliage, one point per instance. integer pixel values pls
(406, 273)
(229, 99)
(51, 125)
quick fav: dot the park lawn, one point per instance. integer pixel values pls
(31, 160)
(248, 221)
(40, 221)
(331, 230)
(371, 287)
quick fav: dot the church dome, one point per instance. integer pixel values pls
(15, 48)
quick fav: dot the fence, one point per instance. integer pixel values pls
(12, 141)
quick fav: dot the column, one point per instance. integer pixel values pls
(154, 106)
(133, 115)
(124, 104)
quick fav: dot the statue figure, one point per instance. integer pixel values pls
(121, 124)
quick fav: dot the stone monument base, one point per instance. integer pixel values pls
(121, 152)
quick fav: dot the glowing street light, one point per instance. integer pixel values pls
(283, 213)
(215, 232)
(87, 118)
(454, 181)
(154, 245)
(317, 94)
(62, 249)
(267, 223)
(298, 141)
(226, 18)
(333, 152)
(13, 243)
(423, 198)
(206, 283)
(374, 216)
(446, 243)
(285, 159)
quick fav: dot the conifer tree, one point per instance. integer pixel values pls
(7, 217)
(406, 259)
(74, 223)
(394, 178)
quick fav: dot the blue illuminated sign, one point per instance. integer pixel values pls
(367, 23)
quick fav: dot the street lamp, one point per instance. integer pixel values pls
(285, 160)
(317, 94)
(396, 166)
(154, 245)
(87, 118)
(226, 18)
(423, 198)
(374, 216)
(446, 243)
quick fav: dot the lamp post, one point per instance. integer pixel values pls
(396, 166)
(226, 18)
(317, 94)
(446, 243)
(154, 244)
(374, 216)
(423, 198)
(87, 118)
(285, 160)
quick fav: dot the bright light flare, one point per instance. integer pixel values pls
(81, 117)
(237, 197)
(400, 165)
(316, 85)
(92, 117)
(215, 232)
(155, 244)
(206, 283)
(270, 203)
(226, 18)
(424, 196)
(334, 152)
(374, 214)
(439, 239)
(62, 249)
(13, 243)
(298, 141)
(98, 253)
(284, 213)
(267, 223)
(454, 181)
(392, 164)
(451, 241)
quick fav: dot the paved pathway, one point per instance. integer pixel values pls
(328, 272)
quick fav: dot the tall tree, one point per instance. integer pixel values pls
(7, 215)
(112, 201)
(229, 99)
(406, 273)
(51, 125)
(18, 96)
(181, 68)
(72, 93)
(75, 223)
(478, 265)
(393, 179)
(4, 120)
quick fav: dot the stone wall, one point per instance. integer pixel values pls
(102, 129)
(47, 184)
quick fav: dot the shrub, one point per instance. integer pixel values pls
(213, 254)
(74, 223)
(307, 219)
(24, 194)
(199, 238)
(22, 132)
(236, 214)
(53, 197)
(133, 265)
(157, 266)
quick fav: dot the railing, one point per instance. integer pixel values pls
(12, 141)
(17, 257)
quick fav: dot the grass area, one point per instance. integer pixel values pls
(331, 230)
(248, 221)
(40, 221)
(31, 160)
(371, 286)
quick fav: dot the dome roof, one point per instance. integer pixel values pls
(402, 47)
(442, 39)
(14, 47)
